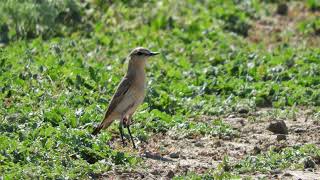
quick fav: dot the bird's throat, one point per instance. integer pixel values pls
(136, 67)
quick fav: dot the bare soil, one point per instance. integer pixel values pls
(171, 154)
(275, 29)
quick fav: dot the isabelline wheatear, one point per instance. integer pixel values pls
(129, 94)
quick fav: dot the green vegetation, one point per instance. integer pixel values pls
(62, 61)
(278, 159)
(292, 158)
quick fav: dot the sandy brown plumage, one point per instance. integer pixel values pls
(116, 99)
(129, 94)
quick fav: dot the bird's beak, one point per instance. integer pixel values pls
(153, 53)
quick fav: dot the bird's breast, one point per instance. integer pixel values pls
(136, 93)
(139, 92)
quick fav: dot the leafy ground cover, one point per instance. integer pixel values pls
(218, 58)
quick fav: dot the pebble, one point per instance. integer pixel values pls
(299, 130)
(199, 144)
(309, 163)
(278, 127)
(170, 174)
(243, 110)
(174, 155)
(281, 137)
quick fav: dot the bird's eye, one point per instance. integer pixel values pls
(139, 53)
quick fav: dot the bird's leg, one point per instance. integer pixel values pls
(134, 146)
(128, 123)
(121, 131)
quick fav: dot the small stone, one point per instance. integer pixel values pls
(276, 176)
(299, 130)
(166, 144)
(287, 174)
(309, 163)
(199, 144)
(170, 174)
(218, 144)
(282, 9)
(194, 141)
(174, 155)
(142, 176)
(276, 171)
(278, 127)
(231, 116)
(256, 150)
(227, 138)
(243, 110)
(281, 137)
(241, 121)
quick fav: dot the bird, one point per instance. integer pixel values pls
(129, 94)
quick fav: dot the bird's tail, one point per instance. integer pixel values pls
(105, 124)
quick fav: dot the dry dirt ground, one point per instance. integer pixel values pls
(276, 29)
(172, 154)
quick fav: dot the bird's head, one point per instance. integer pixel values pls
(140, 55)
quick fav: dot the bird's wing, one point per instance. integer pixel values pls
(119, 94)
